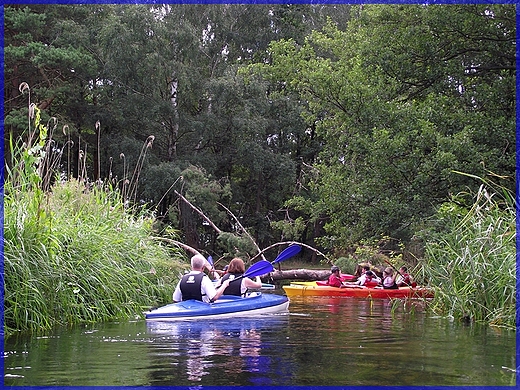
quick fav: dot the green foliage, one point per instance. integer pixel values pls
(72, 253)
(290, 230)
(203, 191)
(347, 265)
(46, 47)
(233, 245)
(79, 257)
(470, 260)
(334, 135)
(212, 119)
(371, 252)
(398, 117)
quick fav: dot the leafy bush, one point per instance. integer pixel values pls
(347, 265)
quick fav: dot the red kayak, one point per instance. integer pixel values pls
(316, 289)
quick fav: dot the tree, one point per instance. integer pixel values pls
(398, 117)
(47, 47)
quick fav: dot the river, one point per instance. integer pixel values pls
(321, 342)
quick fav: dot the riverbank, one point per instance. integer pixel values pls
(77, 256)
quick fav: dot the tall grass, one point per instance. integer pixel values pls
(72, 253)
(79, 258)
(472, 263)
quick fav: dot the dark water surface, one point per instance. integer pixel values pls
(322, 342)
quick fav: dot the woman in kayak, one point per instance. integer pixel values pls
(236, 269)
(389, 278)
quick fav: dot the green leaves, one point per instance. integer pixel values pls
(398, 116)
(471, 260)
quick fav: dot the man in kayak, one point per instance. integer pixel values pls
(197, 285)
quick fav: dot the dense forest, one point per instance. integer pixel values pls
(337, 126)
(306, 121)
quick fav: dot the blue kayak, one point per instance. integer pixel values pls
(255, 303)
(265, 286)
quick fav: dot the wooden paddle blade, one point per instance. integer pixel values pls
(287, 252)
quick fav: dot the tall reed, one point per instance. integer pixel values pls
(73, 253)
(80, 258)
(472, 263)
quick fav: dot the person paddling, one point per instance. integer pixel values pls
(197, 285)
(236, 269)
(404, 278)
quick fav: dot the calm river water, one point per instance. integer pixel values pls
(321, 342)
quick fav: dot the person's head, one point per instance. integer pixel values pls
(403, 269)
(236, 266)
(369, 274)
(388, 271)
(334, 269)
(365, 269)
(197, 262)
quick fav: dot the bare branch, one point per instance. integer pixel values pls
(291, 243)
(187, 248)
(244, 230)
(199, 212)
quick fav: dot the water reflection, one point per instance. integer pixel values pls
(226, 347)
(322, 341)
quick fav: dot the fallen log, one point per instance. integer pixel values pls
(297, 274)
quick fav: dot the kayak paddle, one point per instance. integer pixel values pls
(260, 268)
(264, 267)
(286, 253)
(212, 270)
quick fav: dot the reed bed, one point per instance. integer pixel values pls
(76, 256)
(72, 252)
(472, 264)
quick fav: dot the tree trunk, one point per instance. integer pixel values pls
(297, 274)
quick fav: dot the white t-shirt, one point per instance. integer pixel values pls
(206, 288)
(388, 281)
(361, 280)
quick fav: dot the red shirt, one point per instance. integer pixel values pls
(334, 281)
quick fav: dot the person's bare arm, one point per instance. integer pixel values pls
(253, 283)
(220, 290)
